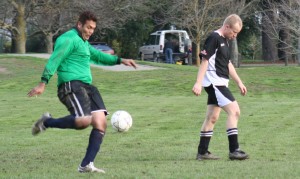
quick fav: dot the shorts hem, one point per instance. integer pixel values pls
(101, 110)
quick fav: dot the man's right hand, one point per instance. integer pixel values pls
(39, 89)
(197, 89)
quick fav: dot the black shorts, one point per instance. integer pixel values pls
(218, 95)
(81, 99)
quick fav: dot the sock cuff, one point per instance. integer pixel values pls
(232, 131)
(206, 133)
(100, 131)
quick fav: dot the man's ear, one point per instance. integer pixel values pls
(79, 25)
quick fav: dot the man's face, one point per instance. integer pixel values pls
(87, 29)
(232, 32)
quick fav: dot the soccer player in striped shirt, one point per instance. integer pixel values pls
(213, 75)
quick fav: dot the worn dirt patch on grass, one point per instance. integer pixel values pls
(4, 70)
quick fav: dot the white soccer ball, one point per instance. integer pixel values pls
(121, 121)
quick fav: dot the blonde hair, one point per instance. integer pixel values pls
(233, 19)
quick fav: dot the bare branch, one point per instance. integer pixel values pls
(9, 27)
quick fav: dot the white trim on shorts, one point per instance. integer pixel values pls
(78, 112)
(101, 110)
(222, 100)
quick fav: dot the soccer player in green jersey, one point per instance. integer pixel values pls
(71, 60)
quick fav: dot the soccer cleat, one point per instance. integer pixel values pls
(238, 155)
(39, 124)
(207, 156)
(90, 168)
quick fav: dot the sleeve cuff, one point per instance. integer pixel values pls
(119, 60)
(44, 80)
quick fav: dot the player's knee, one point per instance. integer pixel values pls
(100, 125)
(213, 118)
(237, 114)
(83, 122)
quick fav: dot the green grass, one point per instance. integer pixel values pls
(166, 120)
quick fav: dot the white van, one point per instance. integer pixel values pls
(153, 48)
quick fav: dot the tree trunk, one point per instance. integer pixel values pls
(197, 54)
(20, 35)
(197, 49)
(282, 46)
(49, 43)
(284, 37)
(269, 47)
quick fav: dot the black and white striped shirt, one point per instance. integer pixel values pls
(216, 51)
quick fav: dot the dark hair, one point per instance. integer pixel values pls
(85, 16)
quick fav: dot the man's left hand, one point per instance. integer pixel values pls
(129, 62)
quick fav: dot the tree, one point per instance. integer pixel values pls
(288, 33)
(21, 12)
(269, 43)
(124, 24)
(16, 24)
(200, 17)
(5, 28)
(249, 39)
(49, 18)
(280, 32)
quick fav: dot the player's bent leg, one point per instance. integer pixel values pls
(233, 114)
(66, 122)
(83, 122)
(212, 116)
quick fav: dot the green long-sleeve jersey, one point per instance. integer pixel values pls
(71, 59)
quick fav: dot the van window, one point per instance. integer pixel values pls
(174, 38)
(170, 36)
(153, 40)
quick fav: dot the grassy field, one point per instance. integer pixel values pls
(166, 120)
